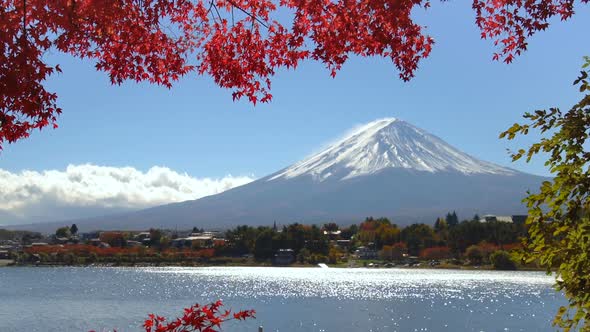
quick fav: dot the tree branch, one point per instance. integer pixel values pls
(25, 19)
(247, 13)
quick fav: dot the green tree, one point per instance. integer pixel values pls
(264, 245)
(465, 234)
(442, 231)
(418, 237)
(559, 227)
(297, 236)
(74, 229)
(242, 239)
(317, 242)
(331, 227)
(501, 260)
(348, 233)
(63, 232)
(452, 219)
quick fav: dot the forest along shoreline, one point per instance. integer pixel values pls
(488, 243)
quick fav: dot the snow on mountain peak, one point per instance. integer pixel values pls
(387, 143)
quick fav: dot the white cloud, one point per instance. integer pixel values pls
(31, 193)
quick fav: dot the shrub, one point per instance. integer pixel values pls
(44, 257)
(92, 258)
(69, 259)
(501, 260)
(474, 254)
(334, 256)
(318, 258)
(303, 256)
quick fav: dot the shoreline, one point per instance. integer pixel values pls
(9, 264)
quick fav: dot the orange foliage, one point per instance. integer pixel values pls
(436, 253)
(189, 254)
(487, 248)
(115, 239)
(512, 246)
(85, 250)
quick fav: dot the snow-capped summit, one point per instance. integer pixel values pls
(388, 143)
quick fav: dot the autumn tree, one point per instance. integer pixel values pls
(393, 252)
(436, 253)
(386, 234)
(114, 239)
(558, 222)
(240, 44)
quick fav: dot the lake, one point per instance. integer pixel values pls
(286, 299)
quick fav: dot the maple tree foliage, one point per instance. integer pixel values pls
(239, 43)
(201, 318)
(206, 318)
(510, 22)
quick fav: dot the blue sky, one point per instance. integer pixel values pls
(458, 94)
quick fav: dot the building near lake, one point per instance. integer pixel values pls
(366, 253)
(200, 240)
(517, 219)
(4, 254)
(284, 257)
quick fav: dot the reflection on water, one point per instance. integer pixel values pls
(361, 283)
(286, 299)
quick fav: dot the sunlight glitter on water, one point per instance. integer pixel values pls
(362, 283)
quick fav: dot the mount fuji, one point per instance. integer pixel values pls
(387, 144)
(385, 168)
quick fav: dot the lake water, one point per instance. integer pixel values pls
(286, 299)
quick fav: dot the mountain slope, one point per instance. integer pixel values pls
(7, 218)
(388, 143)
(385, 168)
